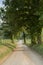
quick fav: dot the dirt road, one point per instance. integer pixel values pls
(22, 55)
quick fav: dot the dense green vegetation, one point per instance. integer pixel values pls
(25, 16)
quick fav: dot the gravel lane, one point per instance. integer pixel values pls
(22, 55)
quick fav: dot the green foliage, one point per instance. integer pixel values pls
(24, 13)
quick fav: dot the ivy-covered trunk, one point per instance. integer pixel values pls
(12, 38)
(33, 40)
(24, 37)
(39, 38)
(39, 35)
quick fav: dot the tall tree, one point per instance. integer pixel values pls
(20, 13)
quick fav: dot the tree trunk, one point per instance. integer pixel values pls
(33, 41)
(12, 38)
(24, 37)
(39, 38)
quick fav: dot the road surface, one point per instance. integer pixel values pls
(22, 55)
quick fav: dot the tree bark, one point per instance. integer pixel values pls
(24, 37)
(39, 38)
(33, 40)
(12, 38)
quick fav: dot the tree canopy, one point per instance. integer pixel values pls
(24, 14)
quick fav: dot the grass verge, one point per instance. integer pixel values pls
(38, 48)
(6, 48)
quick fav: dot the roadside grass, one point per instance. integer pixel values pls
(38, 48)
(6, 47)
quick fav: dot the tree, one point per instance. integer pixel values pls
(22, 13)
